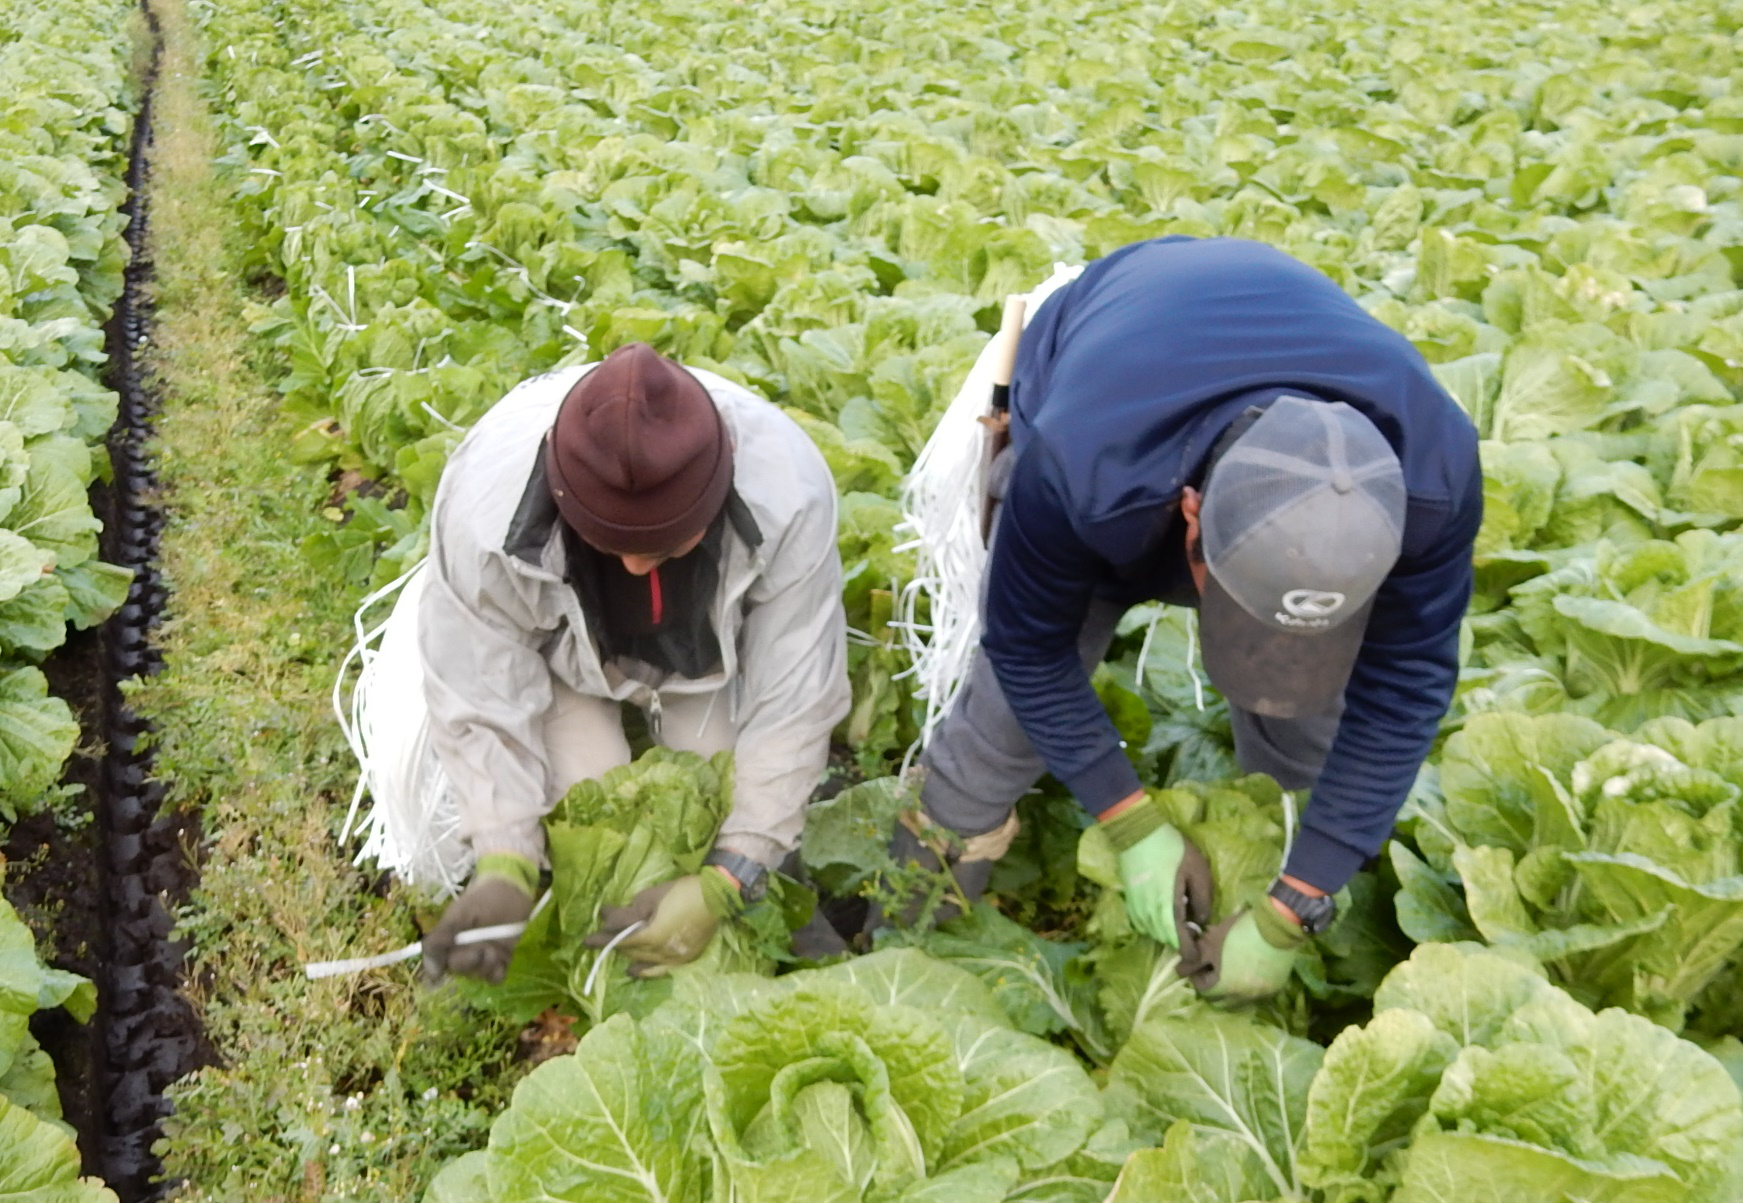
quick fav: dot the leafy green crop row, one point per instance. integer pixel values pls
(463, 196)
(65, 100)
(1474, 1076)
(828, 204)
(65, 121)
(891, 1077)
(897, 1079)
(38, 1159)
(1616, 861)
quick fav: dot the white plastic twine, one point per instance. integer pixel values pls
(942, 499)
(941, 507)
(1192, 658)
(315, 970)
(1144, 650)
(412, 828)
(619, 938)
(350, 716)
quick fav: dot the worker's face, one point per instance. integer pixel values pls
(1191, 501)
(641, 565)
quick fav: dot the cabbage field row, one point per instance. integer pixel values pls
(830, 206)
(1535, 994)
(66, 98)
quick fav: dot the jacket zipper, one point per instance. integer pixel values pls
(659, 604)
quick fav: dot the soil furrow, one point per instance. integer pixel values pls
(145, 1034)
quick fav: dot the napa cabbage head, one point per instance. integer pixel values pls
(1643, 629)
(893, 1078)
(635, 826)
(1475, 1069)
(1615, 861)
(1476, 1079)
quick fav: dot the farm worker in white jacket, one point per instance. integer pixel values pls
(629, 531)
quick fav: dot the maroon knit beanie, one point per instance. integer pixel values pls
(638, 459)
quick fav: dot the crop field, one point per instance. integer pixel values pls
(264, 262)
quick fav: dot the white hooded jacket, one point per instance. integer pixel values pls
(499, 622)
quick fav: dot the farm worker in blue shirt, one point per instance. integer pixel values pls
(1215, 424)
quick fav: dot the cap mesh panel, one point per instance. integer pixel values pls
(1289, 454)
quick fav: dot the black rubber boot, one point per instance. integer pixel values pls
(818, 939)
(821, 937)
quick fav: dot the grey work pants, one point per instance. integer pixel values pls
(979, 761)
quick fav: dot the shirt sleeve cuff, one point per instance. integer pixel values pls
(521, 839)
(1322, 862)
(1108, 779)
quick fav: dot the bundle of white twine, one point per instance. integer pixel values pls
(942, 506)
(412, 826)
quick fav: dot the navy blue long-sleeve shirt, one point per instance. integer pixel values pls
(1124, 379)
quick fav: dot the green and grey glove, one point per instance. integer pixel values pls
(1165, 877)
(1247, 957)
(501, 891)
(678, 917)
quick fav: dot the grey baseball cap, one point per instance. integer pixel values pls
(1302, 519)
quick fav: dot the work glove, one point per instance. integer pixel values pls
(1246, 957)
(1165, 878)
(501, 891)
(678, 918)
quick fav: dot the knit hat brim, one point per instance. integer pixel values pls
(639, 460)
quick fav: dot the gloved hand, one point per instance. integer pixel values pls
(679, 919)
(1165, 877)
(501, 891)
(1246, 957)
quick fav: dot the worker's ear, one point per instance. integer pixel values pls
(1191, 502)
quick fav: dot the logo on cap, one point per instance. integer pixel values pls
(1312, 603)
(1309, 607)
